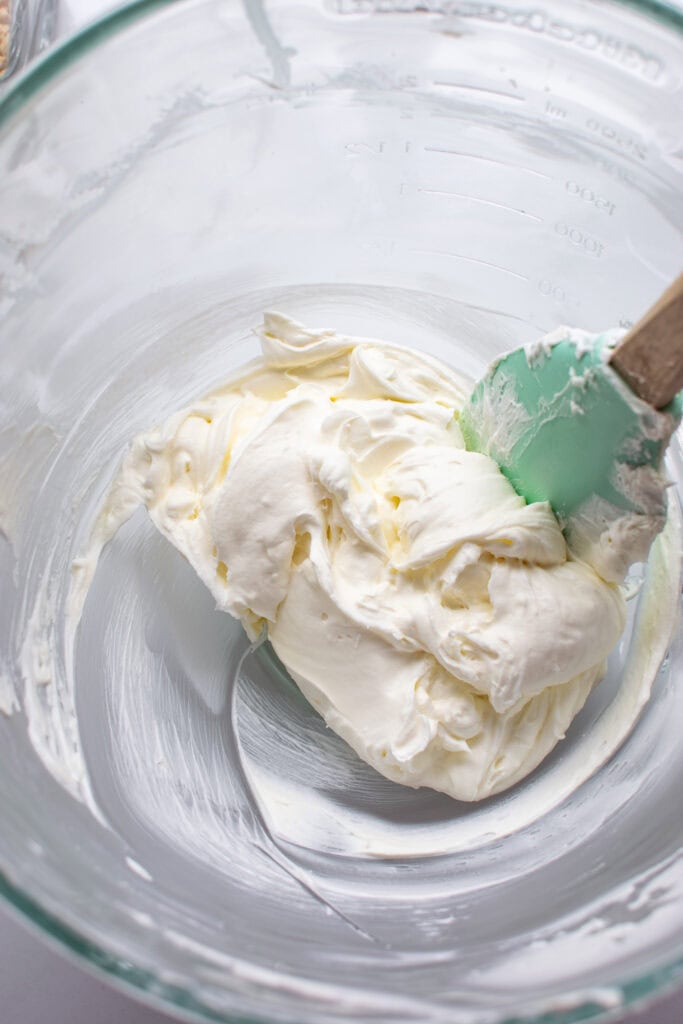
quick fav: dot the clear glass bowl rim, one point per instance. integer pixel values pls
(638, 989)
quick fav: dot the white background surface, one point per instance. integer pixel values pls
(41, 986)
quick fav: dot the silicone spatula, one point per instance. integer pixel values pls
(582, 420)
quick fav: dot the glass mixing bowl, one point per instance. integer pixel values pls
(459, 176)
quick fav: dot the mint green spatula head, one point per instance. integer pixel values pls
(565, 428)
(582, 421)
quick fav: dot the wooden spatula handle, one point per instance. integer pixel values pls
(650, 357)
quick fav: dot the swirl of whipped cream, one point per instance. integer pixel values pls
(437, 622)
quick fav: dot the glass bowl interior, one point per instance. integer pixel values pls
(459, 177)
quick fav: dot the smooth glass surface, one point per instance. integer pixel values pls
(456, 176)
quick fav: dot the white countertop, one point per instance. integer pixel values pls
(41, 986)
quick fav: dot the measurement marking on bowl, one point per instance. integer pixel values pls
(554, 110)
(619, 135)
(480, 88)
(576, 236)
(478, 199)
(486, 159)
(590, 195)
(469, 259)
(557, 293)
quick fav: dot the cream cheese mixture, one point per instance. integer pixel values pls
(437, 622)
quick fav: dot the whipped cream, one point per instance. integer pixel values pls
(438, 623)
